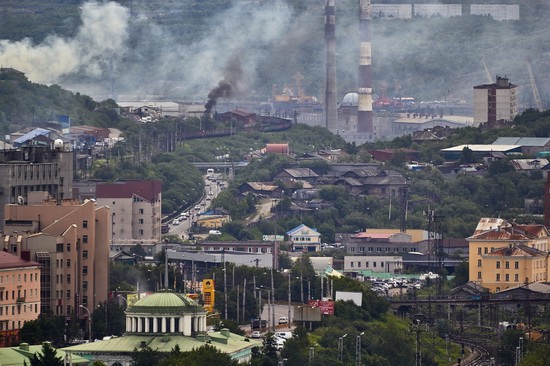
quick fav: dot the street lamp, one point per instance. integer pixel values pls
(89, 322)
(122, 297)
(312, 354)
(341, 348)
(358, 349)
(289, 301)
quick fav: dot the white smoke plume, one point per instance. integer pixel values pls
(102, 35)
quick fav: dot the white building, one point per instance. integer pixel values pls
(135, 210)
(495, 102)
(372, 263)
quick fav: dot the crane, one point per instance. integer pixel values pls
(536, 95)
(487, 72)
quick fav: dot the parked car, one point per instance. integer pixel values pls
(283, 335)
(283, 320)
(256, 334)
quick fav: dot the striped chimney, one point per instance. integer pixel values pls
(364, 107)
(331, 115)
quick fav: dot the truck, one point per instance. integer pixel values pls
(257, 323)
(164, 229)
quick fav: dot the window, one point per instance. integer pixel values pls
(498, 277)
(479, 262)
(85, 270)
(516, 277)
(498, 264)
(358, 264)
(507, 277)
(84, 285)
(516, 265)
(485, 250)
(141, 221)
(68, 278)
(141, 211)
(479, 275)
(85, 224)
(68, 247)
(85, 254)
(351, 264)
(68, 263)
(479, 250)
(84, 300)
(507, 265)
(85, 239)
(140, 231)
(59, 247)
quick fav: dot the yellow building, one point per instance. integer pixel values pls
(504, 254)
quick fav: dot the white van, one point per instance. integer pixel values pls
(214, 232)
(283, 335)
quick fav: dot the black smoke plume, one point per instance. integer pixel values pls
(227, 87)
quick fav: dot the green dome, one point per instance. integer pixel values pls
(166, 303)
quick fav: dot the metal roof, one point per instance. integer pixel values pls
(32, 134)
(523, 141)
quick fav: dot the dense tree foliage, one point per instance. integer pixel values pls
(48, 357)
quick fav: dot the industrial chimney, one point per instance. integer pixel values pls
(331, 115)
(364, 92)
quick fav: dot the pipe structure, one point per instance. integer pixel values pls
(364, 92)
(331, 114)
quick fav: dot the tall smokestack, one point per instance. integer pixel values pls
(331, 116)
(364, 108)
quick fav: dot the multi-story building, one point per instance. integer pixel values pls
(305, 239)
(35, 168)
(135, 210)
(372, 263)
(70, 240)
(495, 102)
(504, 254)
(19, 295)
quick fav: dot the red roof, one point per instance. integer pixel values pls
(146, 189)
(8, 260)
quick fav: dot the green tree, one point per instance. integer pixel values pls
(146, 357)
(48, 357)
(206, 355)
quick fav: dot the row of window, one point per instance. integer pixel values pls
(498, 278)
(242, 249)
(367, 264)
(5, 295)
(32, 277)
(538, 264)
(34, 169)
(27, 308)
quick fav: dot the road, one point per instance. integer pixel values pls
(211, 190)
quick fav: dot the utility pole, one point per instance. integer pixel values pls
(289, 301)
(224, 282)
(341, 348)
(272, 301)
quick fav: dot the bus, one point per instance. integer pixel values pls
(209, 173)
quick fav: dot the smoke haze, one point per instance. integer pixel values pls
(101, 37)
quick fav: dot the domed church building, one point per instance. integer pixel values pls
(161, 321)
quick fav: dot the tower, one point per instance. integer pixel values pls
(364, 108)
(331, 117)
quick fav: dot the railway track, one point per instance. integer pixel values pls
(482, 352)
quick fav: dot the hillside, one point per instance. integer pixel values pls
(181, 50)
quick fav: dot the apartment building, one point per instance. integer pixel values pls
(35, 168)
(504, 254)
(70, 240)
(19, 296)
(495, 102)
(135, 210)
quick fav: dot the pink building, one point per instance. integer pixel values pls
(19, 296)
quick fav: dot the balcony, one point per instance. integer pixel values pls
(20, 300)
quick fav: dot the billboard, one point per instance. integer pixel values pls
(327, 307)
(307, 314)
(356, 297)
